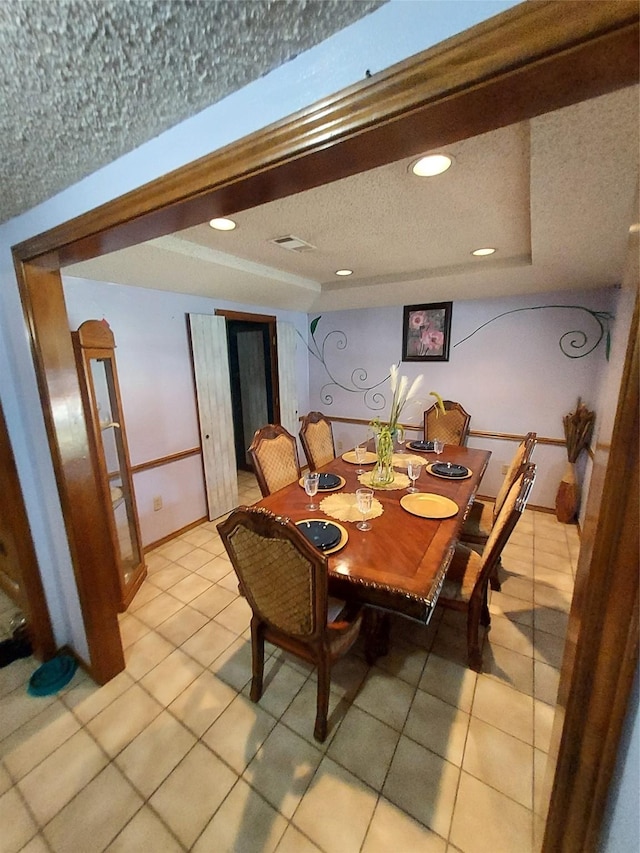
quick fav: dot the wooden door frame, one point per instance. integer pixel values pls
(529, 60)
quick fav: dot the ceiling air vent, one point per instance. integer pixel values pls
(294, 244)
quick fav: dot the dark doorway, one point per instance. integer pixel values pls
(252, 391)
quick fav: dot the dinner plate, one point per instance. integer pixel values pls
(424, 446)
(327, 536)
(328, 482)
(369, 457)
(449, 470)
(428, 505)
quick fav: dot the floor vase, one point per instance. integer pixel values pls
(568, 495)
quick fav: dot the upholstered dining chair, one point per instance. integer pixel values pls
(316, 437)
(450, 426)
(274, 457)
(284, 578)
(467, 579)
(482, 516)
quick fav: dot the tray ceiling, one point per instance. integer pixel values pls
(555, 196)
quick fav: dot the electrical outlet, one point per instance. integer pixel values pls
(339, 446)
(505, 468)
(157, 503)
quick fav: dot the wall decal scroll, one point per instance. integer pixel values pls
(359, 381)
(575, 343)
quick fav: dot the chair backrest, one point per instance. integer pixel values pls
(451, 427)
(316, 437)
(509, 515)
(283, 577)
(274, 457)
(521, 458)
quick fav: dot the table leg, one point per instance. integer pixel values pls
(376, 626)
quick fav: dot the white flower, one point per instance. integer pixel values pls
(402, 394)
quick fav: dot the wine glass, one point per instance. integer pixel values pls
(359, 451)
(311, 483)
(364, 498)
(413, 470)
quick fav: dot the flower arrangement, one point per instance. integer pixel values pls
(402, 395)
(578, 429)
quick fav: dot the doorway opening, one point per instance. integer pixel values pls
(253, 374)
(251, 383)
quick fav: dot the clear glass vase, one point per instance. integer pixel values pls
(383, 472)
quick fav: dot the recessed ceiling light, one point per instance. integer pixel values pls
(223, 224)
(431, 165)
(344, 272)
(635, 228)
(479, 253)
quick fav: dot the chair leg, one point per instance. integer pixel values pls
(485, 616)
(494, 578)
(257, 659)
(474, 655)
(324, 678)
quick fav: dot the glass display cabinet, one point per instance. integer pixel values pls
(94, 346)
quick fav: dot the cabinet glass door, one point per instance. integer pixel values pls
(94, 346)
(115, 462)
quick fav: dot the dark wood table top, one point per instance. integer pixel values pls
(399, 564)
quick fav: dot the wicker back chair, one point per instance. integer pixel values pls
(482, 516)
(274, 457)
(316, 437)
(284, 579)
(467, 579)
(452, 427)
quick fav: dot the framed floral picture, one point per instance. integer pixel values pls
(426, 332)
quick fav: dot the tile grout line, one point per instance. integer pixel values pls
(279, 720)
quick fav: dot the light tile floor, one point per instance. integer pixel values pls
(422, 755)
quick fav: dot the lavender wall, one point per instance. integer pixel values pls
(156, 385)
(511, 375)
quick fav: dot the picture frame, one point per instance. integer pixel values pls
(426, 332)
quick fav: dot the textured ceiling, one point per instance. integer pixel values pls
(555, 196)
(85, 81)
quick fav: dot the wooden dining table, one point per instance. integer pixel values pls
(399, 565)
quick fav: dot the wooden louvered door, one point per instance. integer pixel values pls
(213, 392)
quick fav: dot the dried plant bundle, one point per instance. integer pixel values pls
(578, 429)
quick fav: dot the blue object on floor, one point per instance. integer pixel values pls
(52, 676)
